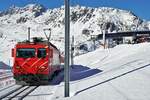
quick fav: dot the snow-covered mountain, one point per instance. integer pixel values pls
(85, 21)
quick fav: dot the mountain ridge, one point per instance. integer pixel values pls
(84, 22)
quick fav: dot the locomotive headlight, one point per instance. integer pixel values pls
(17, 67)
(42, 67)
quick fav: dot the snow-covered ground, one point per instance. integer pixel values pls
(119, 73)
(122, 74)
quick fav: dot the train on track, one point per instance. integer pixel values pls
(36, 62)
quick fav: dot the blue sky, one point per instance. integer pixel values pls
(138, 7)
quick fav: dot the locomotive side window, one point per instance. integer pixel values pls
(25, 53)
(41, 53)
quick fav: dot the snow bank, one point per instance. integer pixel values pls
(124, 75)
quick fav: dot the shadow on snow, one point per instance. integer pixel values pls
(77, 72)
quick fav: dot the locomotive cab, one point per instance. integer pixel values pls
(35, 62)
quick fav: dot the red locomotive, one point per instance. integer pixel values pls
(35, 62)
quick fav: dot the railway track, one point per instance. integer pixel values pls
(18, 93)
(5, 77)
(3, 89)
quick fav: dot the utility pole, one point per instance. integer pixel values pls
(72, 50)
(29, 34)
(93, 38)
(104, 40)
(104, 33)
(67, 45)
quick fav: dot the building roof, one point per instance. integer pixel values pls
(124, 34)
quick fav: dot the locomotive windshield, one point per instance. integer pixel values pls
(25, 53)
(41, 53)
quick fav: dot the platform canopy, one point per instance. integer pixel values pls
(125, 34)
